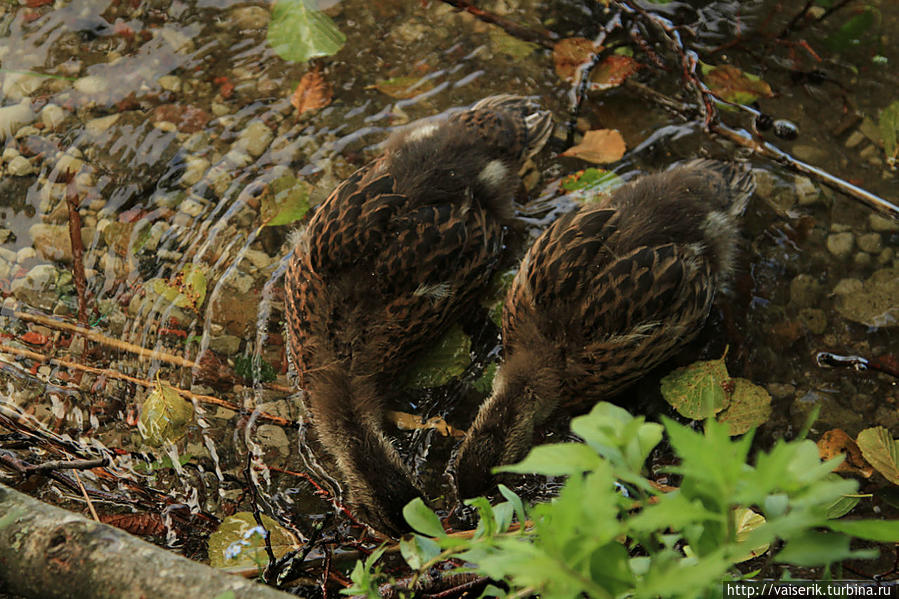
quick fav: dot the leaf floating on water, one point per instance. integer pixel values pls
(699, 390)
(750, 406)
(835, 443)
(443, 362)
(164, 415)
(569, 54)
(613, 71)
(285, 201)
(733, 85)
(312, 93)
(239, 542)
(298, 31)
(591, 184)
(402, 88)
(599, 146)
(187, 289)
(510, 45)
(881, 451)
(889, 128)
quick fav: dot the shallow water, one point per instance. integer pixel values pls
(175, 122)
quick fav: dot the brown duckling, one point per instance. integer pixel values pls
(604, 295)
(395, 254)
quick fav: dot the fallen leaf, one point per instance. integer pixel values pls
(591, 185)
(836, 442)
(444, 361)
(570, 53)
(240, 542)
(312, 93)
(404, 87)
(164, 415)
(733, 85)
(599, 146)
(889, 127)
(285, 201)
(298, 32)
(34, 338)
(880, 450)
(613, 71)
(699, 390)
(750, 406)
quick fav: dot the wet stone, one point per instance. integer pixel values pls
(92, 85)
(885, 256)
(20, 167)
(255, 138)
(840, 244)
(52, 115)
(170, 83)
(805, 291)
(9, 154)
(227, 345)
(51, 241)
(848, 286)
(14, 117)
(259, 260)
(875, 303)
(98, 126)
(882, 224)
(38, 287)
(191, 207)
(870, 242)
(862, 259)
(249, 17)
(273, 439)
(196, 168)
(813, 319)
(806, 192)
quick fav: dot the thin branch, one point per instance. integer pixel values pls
(544, 37)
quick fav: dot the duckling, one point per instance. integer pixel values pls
(395, 254)
(604, 295)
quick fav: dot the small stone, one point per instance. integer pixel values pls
(98, 126)
(197, 142)
(178, 41)
(92, 85)
(855, 138)
(19, 167)
(192, 207)
(25, 254)
(885, 256)
(805, 291)
(69, 164)
(781, 390)
(9, 154)
(848, 287)
(219, 109)
(839, 228)
(813, 319)
(870, 242)
(227, 345)
(259, 260)
(52, 115)
(876, 304)
(810, 153)
(14, 117)
(170, 83)
(235, 159)
(882, 224)
(196, 168)
(840, 244)
(5, 269)
(167, 126)
(273, 439)
(52, 241)
(862, 258)
(248, 17)
(806, 192)
(255, 138)
(38, 287)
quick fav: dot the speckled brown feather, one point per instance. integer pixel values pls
(393, 256)
(603, 296)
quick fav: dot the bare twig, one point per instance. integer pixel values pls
(795, 20)
(544, 37)
(68, 465)
(72, 202)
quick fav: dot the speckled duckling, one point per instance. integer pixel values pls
(395, 254)
(604, 295)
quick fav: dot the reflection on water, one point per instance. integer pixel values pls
(171, 124)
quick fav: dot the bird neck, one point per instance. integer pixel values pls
(348, 414)
(524, 395)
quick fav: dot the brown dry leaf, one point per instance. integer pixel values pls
(731, 84)
(600, 146)
(569, 54)
(613, 71)
(402, 88)
(836, 442)
(312, 93)
(411, 422)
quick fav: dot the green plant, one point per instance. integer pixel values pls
(611, 533)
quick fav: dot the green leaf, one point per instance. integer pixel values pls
(813, 548)
(164, 415)
(484, 383)
(555, 459)
(889, 127)
(285, 201)
(850, 34)
(697, 391)
(599, 182)
(187, 289)
(880, 531)
(610, 569)
(750, 406)
(298, 32)
(418, 550)
(421, 518)
(617, 436)
(842, 506)
(515, 501)
(239, 542)
(881, 451)
(443, 362)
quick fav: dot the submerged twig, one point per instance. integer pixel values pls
(544, 37)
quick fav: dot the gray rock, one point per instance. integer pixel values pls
(170, 83)
(248, 17)
(98, 126)
(227, 345)
(870, 242)
(196, 168)
(882, 224)
(840, 244)
(805, 291)
(255, 138)
(806, 192)
(52, 115)
(876, 304)
(258, 259)
(51, 241)
(20, 167)
(848, 287)
(92, 85)
(813, 319)
(12, 118)
(38, 287)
